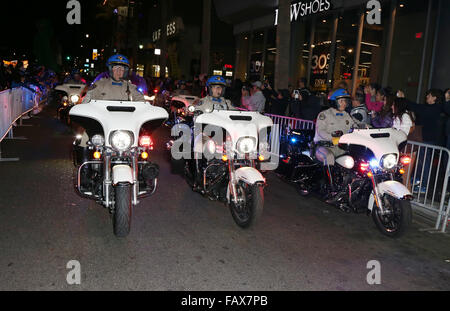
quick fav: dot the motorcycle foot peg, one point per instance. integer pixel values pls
(150, 171)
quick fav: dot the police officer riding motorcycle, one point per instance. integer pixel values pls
(218, 155)
(112, 155)
(360, 168)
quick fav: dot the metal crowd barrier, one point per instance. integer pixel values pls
(427, 178)
(14, 105)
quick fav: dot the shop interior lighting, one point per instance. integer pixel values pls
(371, 44)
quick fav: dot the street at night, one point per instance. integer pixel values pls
(182, 241)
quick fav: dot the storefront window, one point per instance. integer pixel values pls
(271, 52)
(346, 48)
(372, 56)
(256, 57)
(242, 45)
(321, 54)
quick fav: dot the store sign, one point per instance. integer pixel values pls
(173, 28)
(320, 63)
(305, 8)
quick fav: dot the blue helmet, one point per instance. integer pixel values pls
(216, 80)
(118, 59)
(338, 94)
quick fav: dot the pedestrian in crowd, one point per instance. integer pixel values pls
(295, 104)
(280, 102)
(196, 87)
(257, 100)
(270, 95)
(235, 92)
(403, 120)
(447, 115)
(430, 117)
(245, 96)
(374, 97)
(359, 110)
(384, 118)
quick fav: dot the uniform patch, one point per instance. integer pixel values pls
(321, 116)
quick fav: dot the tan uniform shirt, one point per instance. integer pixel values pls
(208, 103)
(332, 120)
(108, 89)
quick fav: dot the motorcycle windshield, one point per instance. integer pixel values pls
(238, 124)
(120, 115)
(380, 141)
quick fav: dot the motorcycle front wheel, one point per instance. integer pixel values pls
(250, 201)
(122, 210)
(398, 217)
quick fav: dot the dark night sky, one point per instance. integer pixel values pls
(19, 24)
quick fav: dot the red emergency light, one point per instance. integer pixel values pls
(419, 35)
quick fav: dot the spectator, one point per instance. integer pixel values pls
(295, 105)
(235, 93)
(359, 111)
(280, 102)
(257, 100)
(428, 115)
(384, 117)
(245, 96)
(403, 120)
(374, 97)
(310, 108)
(447, 113)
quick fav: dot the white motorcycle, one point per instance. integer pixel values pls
(367, 178)
(115, 168)
(71, 95)
(219, 156)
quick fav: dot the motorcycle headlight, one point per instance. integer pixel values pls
(65, 98)
(246, 145)
(389, 161)
(121, 140)
(98, 140)
(74, 98)
(191, 108)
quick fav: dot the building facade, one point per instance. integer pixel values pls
(336, 40)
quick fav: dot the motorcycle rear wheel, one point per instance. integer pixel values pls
(250, 206)
(122, 210)
(396, 222)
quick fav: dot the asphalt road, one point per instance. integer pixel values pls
(182, 241)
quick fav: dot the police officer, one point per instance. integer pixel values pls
(116, 87)
(330, 121)
(216, 88)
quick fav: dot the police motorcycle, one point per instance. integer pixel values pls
(178, 108)
(115, 169)
(366, 178)
(70, 95)
(218, 156)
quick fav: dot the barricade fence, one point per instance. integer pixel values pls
(15, 104)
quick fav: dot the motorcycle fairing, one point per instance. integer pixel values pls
(120, 120)
(377, 140)
(243, 124)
